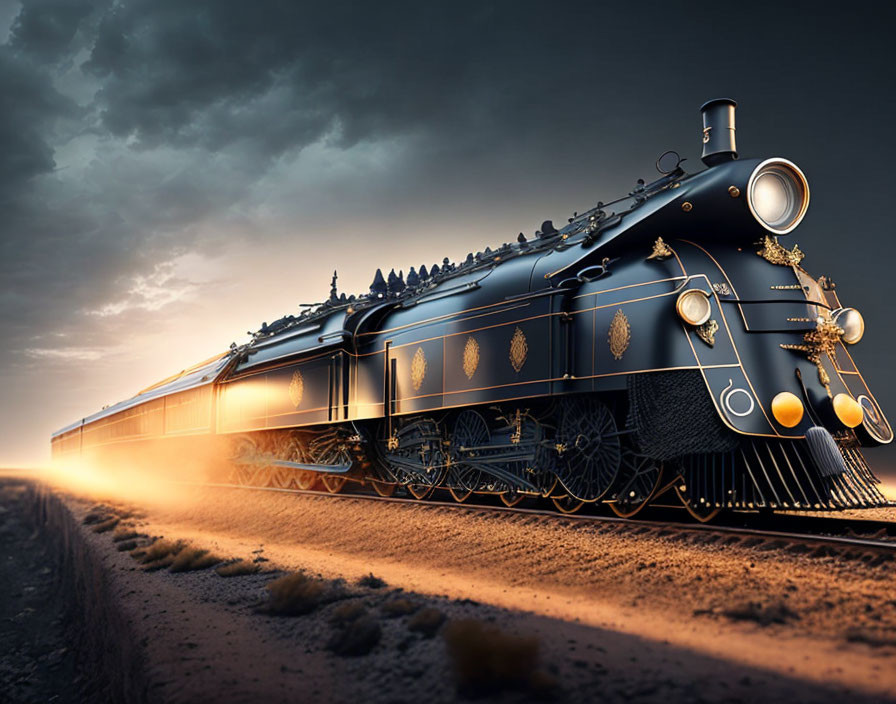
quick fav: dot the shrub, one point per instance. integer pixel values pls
(487, 660)
(124, 533)
(158, 564)
(426, 621)
(357, 638)
(347, 611)
(107, 525)
(399, 607)
(158, 550)
(297, 594)
(192, 558)
(763, 615)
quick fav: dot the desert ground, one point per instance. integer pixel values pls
(243, 595)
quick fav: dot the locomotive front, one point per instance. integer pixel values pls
(771, 343)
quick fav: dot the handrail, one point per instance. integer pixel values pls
(804, 301)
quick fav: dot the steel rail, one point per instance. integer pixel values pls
(746, 532)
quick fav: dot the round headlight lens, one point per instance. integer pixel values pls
(852, 323)
(848, 410)
(693, 306)
(778, 195)
(787, 409)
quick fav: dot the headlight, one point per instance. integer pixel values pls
(787, 409)
(778, 195)
(852, 323)
(693, 306)
(848, 410)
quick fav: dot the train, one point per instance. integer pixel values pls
(664, 344)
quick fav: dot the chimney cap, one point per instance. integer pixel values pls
(724, 101)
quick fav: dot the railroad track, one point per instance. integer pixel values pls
(839, 534)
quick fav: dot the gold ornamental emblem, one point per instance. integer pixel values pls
(778, 254)
(418, 368)
(819, 342)
(471, 357)
(296, 388)
(519, 350)
(620, 334)
(707, 332)
(660, 251)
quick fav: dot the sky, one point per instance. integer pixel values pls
(174, 173)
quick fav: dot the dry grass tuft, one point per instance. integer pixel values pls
(192, 558)
(237, 568)
(124, 533)
(426, 621)
(875, 640)
(158, 564)
(297, 594)
(107, 525)
(358, 637)
(764, 615)
(160, 550)
(347, 612)
(487, 660)
(371, 581)
(399, 607)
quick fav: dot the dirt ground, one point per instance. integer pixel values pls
(40, 660)
(546, 609)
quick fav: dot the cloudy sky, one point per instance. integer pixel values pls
(173, 173)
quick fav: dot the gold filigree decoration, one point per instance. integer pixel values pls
(707, 332)
(418, 368)
(296, 388)
(660, 250)
(722, 289)
(786, 287)
(519, 350)
(777, 254)
(471, 357)
(517, 433)
(392, 443)
(819, 342)
(620, 334)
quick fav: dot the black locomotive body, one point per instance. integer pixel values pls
(672, 345)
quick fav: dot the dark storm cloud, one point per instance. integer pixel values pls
(27, 121)
(284, 74)
(45, 30)
(191, 103)
(219, 73)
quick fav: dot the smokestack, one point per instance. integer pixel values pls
(718, 131)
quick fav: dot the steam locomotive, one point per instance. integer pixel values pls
(663, 343)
